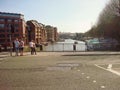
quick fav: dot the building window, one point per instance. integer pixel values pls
(16, 35)
(2, 30)
(16, 25)
(8, 30)
(8, 35)
(9, 20)
(2, 20)
(2, 35)
(16, 20)
(2, 25)
(2, 40)
(8, 40)
(16, 30)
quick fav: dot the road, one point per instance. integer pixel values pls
(59, 71)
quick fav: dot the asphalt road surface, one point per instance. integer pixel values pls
(51, 71)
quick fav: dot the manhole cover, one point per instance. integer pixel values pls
(68, 64)
(61, 68)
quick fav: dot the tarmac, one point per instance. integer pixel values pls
(97, 53)
(59, 71)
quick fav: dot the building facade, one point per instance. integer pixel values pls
(55, 34)
(11, 24)
(36, 32)
(52, 34)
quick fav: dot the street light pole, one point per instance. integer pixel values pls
(10, 37)
(12, 29)
(10, 44)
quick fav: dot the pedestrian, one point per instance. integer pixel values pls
(0, 48)
(41, 47)
(34, 48)
(31, 46)
(21, 47)
(13, 46)
(17, 43)
(86, 46)
(74, 47)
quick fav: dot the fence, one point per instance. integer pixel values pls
(65, 47)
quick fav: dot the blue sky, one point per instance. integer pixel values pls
(66, 15)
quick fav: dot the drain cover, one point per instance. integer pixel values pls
(68, 64)
(59, 68)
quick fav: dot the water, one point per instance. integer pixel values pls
(67, 45)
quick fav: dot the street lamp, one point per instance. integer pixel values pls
(29, 33)
(11, 28)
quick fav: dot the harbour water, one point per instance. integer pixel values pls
(67, 45)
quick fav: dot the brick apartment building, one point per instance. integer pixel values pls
(8, 23)
(52, 34)
(36, 32)
(14, 24)
(55, 34)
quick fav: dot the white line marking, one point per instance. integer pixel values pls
(110, 70)
(82, 73)
(102, 86)
(94, 81)
(88, 77)
(109, 66)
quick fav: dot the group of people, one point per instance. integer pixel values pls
(32, 47)
(18, 46)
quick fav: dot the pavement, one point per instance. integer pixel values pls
(2, 54)
(59, 71)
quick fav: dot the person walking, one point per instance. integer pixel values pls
(74, 47)
(31, 46)
(21, 47)
(34, 48)
(17, 43)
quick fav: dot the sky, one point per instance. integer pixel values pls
(67, 15)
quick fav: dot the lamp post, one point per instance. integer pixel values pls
(10, 38)
(29, 33)
(11, 28)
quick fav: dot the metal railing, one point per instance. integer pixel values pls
(65, 47)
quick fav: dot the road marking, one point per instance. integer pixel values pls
(109, 66)
(94, 81)
(88, 77)
(83, 73)
(102, 86)
(110, 70)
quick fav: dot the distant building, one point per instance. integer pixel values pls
(66, 35)
(52, 34)
(35, 31)
(14, 25)
(11, 22)
(55, 34)
(43, 33)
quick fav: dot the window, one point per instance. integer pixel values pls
(16, 35)
(16, 25)
(8, 30)
(2, 30)
(16, 30)
(1, 19)
(9, 20)
(16, 20)
(8, 40)
(2, 40)
(2, 35)
(8, 35)
(2, 25)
